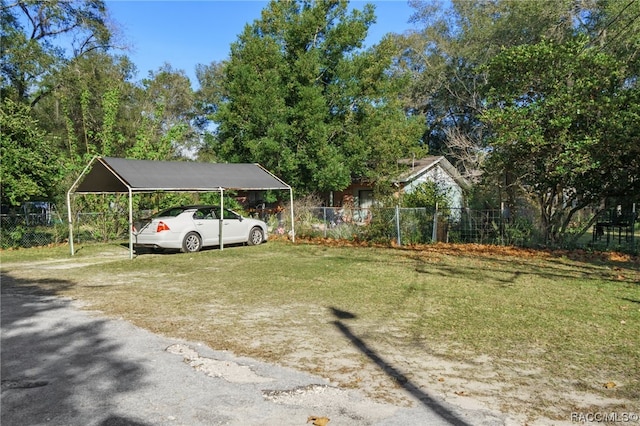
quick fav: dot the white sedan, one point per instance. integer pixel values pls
(189, 228)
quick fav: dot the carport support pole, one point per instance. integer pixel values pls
(221, 218)
(293, 226)
(69, 218)
(73, 188)
(130, 224)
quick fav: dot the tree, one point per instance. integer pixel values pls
(166, 109)
(564, 119)
(447, 57)
(207, 100)
(300, 97)
(50, 51)
(57, 62)
(30, 171)
(30, 55)
(93, 108)
(428, 194)
(443, 56)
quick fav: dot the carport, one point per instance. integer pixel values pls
(108, 175)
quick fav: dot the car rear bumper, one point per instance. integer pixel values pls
(166, 240)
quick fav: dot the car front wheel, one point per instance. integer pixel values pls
(192, 243)
(256, 236)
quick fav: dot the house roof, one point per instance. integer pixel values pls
(119, 175)
(418, 167)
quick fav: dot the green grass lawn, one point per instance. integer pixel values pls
(565, 322)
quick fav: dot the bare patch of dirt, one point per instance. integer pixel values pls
(399, 374)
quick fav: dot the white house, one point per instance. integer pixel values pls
(433, 168)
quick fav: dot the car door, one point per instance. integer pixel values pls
(207, 225)
(233, 228)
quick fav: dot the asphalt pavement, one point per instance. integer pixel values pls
(62, 365)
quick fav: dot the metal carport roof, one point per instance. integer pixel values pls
(109, 175)
(119, 175)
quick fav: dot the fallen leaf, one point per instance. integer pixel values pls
(318, 421)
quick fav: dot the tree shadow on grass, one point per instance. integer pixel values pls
(505, 272)
(391, 371)
(58, 367)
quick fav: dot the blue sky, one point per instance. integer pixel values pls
(187, 33)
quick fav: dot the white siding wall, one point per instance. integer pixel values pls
(442, 178)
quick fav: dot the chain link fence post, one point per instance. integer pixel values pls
(398, 225)
(434, 231)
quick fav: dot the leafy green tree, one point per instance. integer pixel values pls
(166, 109)
(447, 57)
(453, 40)
(564, 119)
(93, 109)
(613, 27)
(31, 54)
(443, 55)
(427, 194)
(30, 170)
(49, 51)
(208, 98)
(301, 97)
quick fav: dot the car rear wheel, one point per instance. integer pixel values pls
(256, 236)
(191, 243)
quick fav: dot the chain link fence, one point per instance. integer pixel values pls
(33, 229)
(414, 225)
(404, 226)
(18, 231)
